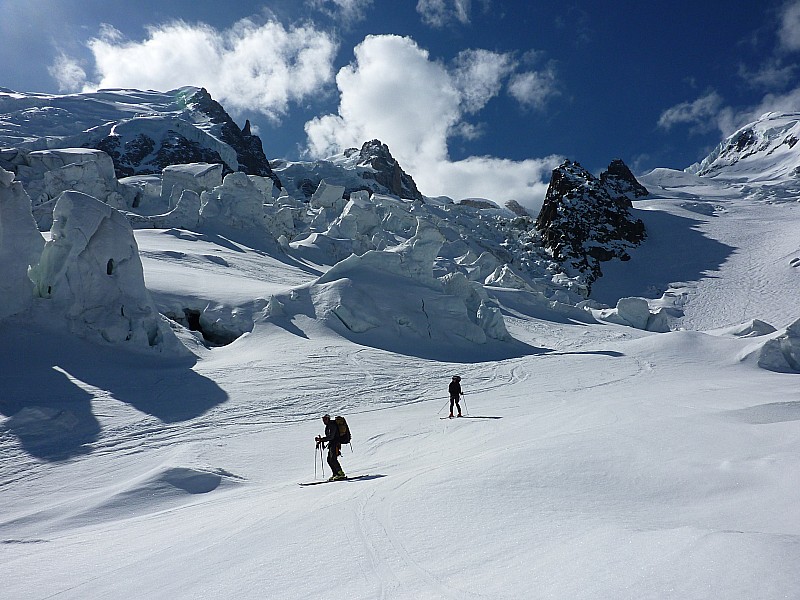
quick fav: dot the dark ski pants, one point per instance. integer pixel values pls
(454, 400)
(333, 458)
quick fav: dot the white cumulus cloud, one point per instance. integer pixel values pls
(250, 66)
(396, 93)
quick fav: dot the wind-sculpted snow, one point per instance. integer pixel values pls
(751, 329)
(160, 489)
(196, 177)
(635, 312)
(391, 299)
(21, 246)
(48, 173)
(90, 273)
(782, 353)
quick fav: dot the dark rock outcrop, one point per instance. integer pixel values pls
(619, 180)
(477, 203)
(141, 154)
(517, 208)
(584, 221)
(385, 170)
(249, 150)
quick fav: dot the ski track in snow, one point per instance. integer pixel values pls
(615, 463)
(750, 266)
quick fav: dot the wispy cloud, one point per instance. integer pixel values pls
(575, 25)
(395, 92)
(772, 75)
(775, 73)
(784, 102)
(709, 113)
(250, 66)
(438, 13)
(699, 113)
(789, 29)
(348, 11)
(478, 76)
(533, 88)
(67, 72)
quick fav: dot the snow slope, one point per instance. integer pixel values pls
(595, 460)
(604, 462)
(717, 257)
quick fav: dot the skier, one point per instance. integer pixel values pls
(334, 447)
(455, 392)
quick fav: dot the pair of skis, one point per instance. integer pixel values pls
(356, 478)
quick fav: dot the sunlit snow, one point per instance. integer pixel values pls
(638, 444)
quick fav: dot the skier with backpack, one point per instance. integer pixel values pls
(455, 392)
(336, 433)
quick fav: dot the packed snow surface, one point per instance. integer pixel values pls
(595, 460)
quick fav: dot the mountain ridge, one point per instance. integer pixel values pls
(761, 151)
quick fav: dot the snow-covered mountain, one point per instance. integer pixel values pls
(142, 132)
(169, 341)
(371, 168)
(760, 152)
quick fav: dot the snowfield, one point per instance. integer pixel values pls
(598, 460)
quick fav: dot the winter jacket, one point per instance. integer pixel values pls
(455, 389)
(331, 432)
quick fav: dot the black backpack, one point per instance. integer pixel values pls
(344, 430)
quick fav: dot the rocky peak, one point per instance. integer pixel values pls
(385, 169)
(249, 150)
(517, 208)
(619, 180)
(584, 221)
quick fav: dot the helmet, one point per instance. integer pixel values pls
(456, 378)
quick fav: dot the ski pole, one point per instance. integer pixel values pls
(466, 408)
(441, 409)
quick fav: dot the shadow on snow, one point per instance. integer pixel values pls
(675, 250)
(46, 389)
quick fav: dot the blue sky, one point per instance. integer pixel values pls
(474, 97)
